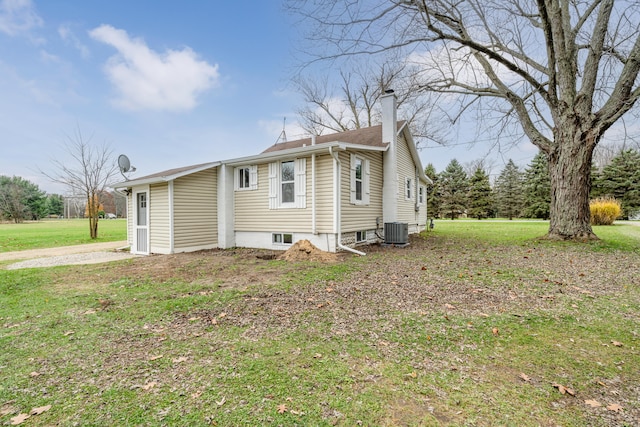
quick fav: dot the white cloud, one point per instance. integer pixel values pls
(68, 36)
(146, 79)
(18, 16)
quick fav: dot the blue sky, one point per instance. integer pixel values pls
(167, 83)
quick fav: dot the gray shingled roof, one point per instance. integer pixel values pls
(370, 136)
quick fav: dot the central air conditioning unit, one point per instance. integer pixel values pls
(396, 233)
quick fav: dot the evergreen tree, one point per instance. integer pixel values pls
(433, 192)
(509, 191)
(537, 188)
(21, 199)
(55, 204)
(621, 179)
(480, 195)
(454, 186)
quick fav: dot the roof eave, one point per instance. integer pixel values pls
(414, 152)
(309, 149)
(166, 178)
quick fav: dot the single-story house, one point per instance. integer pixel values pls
(337, 191)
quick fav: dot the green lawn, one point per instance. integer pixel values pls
(475, 323)
(52, 233)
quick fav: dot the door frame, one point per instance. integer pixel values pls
(136, 226)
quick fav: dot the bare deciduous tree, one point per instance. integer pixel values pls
(355, 103)
(89, 171)
(562, 72)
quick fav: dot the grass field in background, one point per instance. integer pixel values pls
(58, 232)
(477, 326)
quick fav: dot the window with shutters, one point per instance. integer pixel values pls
(360, 177)
(288, 184)
(246, 178)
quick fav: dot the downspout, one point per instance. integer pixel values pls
(336, 203)
(314, 225)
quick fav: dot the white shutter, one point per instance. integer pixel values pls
(352, 182)
(253, 180)
(301, 183)
(273, 185)
(365, 182)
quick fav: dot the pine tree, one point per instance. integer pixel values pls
(621, 179)
(537, 188)
(509, 191)
(454, 186)
(433, 192)
(480, 195)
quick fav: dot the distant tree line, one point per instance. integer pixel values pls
(21, 200)
(517, 193)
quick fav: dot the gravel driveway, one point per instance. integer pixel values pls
(91, 253)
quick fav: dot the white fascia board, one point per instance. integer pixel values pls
(292, 152)
(166, 178)
(414, 152)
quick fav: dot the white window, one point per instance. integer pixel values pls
(361, 236)
(282, 238)
(421, 193)
(360, 177)
(408, 188)
(288, 184)
(246, 178)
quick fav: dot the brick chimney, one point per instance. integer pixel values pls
(390, 188)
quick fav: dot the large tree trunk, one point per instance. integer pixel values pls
(570, 170)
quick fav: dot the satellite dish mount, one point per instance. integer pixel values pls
(124, 165)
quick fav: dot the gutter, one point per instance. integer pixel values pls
(336, 203)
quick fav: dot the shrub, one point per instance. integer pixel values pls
(604, 211)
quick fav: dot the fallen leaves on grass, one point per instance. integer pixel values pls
(593, 403)
(180, 359)
(20, 418)
(495, 332)
(524, 377)
(40, 410)
(149, 386)
(156, 357)
(616, 343)
(282, 408)
(614, 407)
(564, 390)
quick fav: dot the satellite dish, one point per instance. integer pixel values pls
(125, 165)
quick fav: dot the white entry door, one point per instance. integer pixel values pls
(141, 223)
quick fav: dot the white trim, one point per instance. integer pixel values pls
(299, 184)
(134, 248)
(365, 179)
(409, 189)
(252, 171)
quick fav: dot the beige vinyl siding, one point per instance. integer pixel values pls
(324, 193)
(159, 225)
(252, 211)
(406, 169)
(361, 217)
(195, 210)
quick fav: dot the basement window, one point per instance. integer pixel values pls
(361, 236)
(282, 238)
